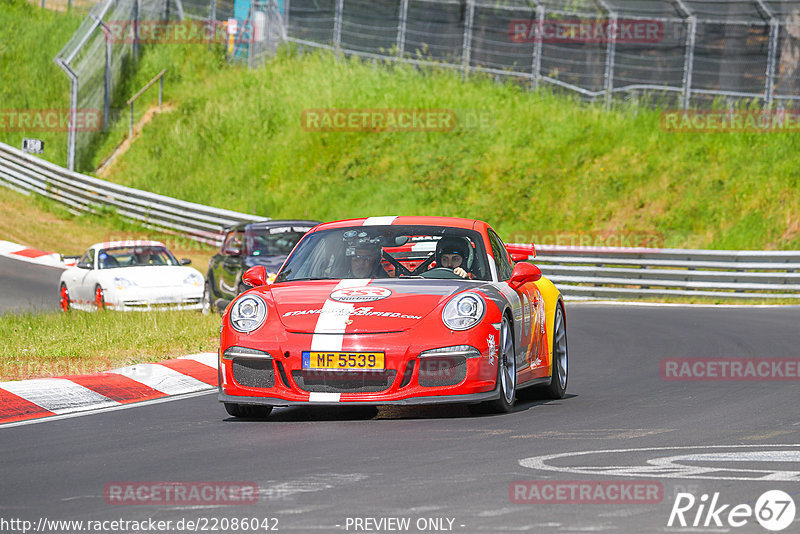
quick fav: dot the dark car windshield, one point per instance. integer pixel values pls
(273, 241)
(398, 251)
(136, 256)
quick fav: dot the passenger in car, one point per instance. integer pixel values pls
(366, 262)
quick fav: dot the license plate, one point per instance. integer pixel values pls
(360, 361)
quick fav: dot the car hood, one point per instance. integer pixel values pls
(366, 306)
(150, 275)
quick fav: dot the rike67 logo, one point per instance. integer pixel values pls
(774, 510)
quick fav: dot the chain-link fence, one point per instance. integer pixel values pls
(108, 41)
(678, 52)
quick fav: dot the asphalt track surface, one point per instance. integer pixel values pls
(27, 287)
(320, 469)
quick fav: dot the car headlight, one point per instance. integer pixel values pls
(248, 313)
(193, 279)
(463, 311)
(122, 283)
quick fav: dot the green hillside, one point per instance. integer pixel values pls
(529, 163)
(30, 37)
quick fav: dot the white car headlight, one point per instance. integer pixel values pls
(463, 311)
(248, 313)
(193, 279)
(122, 283)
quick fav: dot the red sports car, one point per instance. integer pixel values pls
(394, 310)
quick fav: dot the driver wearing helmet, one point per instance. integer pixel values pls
(453, 253)
(366, 262)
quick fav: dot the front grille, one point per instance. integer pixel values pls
(437, 371)
(254, 372)
(344, 381)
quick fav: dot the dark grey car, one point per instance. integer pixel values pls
(265, 243)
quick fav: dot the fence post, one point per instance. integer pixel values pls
(688, 63)
(536, 66)
(401, 28)
(466, 47)
(611, 51)
(137, 9)
(286, 5)
(73, 112)
(337, 26)
(772, 54)
(107, 78)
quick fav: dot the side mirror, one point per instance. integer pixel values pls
(255, 276)
(524, 272)
(232, 251)
(517, 257)
(83, 265)
(185, 261)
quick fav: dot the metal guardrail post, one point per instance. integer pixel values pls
(466, 47)
(401, 28)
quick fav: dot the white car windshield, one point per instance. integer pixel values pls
(395, 251)
(138, 256)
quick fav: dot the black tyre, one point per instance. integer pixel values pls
(506, 375)
(559, 375)
(248, 411)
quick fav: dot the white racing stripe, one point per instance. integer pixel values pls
(58, 395)
(161, 378)
(330, 327)
(332, 321)
(379, 221)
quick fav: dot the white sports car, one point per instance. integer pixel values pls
(131, 275)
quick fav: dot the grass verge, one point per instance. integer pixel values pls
(57, 344)
(40, 223)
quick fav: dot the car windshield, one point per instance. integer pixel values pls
(137, 256)
(396, 251)
(273, 241)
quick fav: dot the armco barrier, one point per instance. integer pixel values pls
(580, 272)
(81, 193)
(608, 272)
